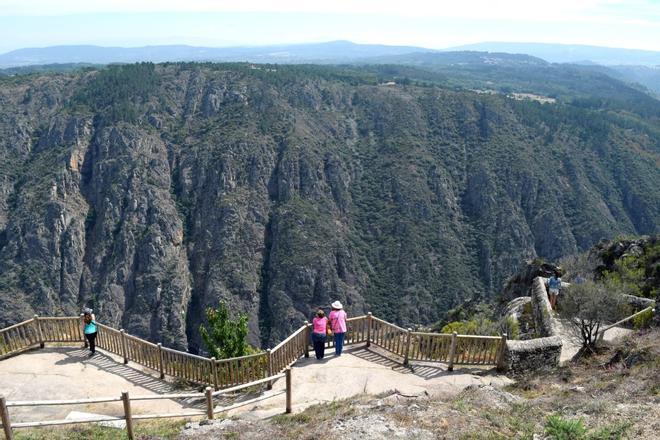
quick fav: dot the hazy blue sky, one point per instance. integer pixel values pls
(432, 24)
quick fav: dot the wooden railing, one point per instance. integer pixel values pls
(63, 329)
(223, 373)
(38, 330)
(235, 371)
(18, 337)
(290, 350)
(478, 350)
(208, 396)
(601, 332)
(388, 336)
(433, 347)
(240, 372)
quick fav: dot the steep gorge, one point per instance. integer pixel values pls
(152, 192)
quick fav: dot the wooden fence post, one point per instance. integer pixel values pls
(500, 353)
(307, 338)
(40, 334)
(123, 345)
(452, 351)
(4, 416)
(209, 403)
(214, 372)
(369, 329)
(407, 353)
(288, 390)
(127, 414)
(161, 361)
(270, 368)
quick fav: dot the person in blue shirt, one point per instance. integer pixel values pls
(554, 288)
(89, 328)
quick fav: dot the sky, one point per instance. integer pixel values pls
(435, 24)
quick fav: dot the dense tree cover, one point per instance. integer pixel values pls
(117, 91)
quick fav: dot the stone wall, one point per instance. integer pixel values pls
(532, 355)
(544, 321)
(539, 353)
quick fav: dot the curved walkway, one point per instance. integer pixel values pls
(68, 373)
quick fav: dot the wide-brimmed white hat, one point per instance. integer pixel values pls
(336, 305)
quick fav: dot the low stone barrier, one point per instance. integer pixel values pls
(533, 354)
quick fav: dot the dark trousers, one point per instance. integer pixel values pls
(339, 343)
(318, 339)
(91, 338)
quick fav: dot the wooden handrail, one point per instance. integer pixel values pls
(601, 332)
(65, 422)
(63, 402)
(356, 318)
(128, 417)
(11, 327)
(401, 329)
(183, 353)
(142, 341)
(464, 349)
(247, 356)
(431, 334)
(204, 370)
(248, 385)
(291, 336)
(475, 336)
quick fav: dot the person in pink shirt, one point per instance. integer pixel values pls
(319, 333)
(338, 325)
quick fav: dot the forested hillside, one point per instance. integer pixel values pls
(152, 191)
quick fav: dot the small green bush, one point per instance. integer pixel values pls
(511, 327)
(558, 428)
(478, 325)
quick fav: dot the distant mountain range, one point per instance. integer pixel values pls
(637, 66)
(333, 52)
(572, 53)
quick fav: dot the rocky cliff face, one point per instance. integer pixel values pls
(153, 192)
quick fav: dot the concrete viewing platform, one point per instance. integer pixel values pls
(62, 373)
